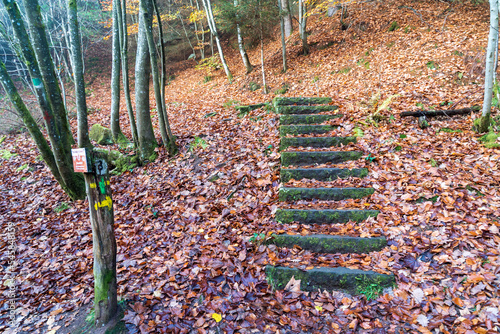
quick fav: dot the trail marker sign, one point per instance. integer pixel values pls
(81, 160)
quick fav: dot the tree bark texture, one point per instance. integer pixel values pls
(77, 65)
(489, 78)
(147, 141)
(303, 26)
(125, 77)
(283, 33)
(287, 17)
(104, 246)
(115, 73)
(211, 23)
(241, 47)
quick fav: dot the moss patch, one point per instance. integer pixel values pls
(101, 135)
(294, 110)
(305, 129)
(489, 140)
(323, 194)
(315, 141)
(306, 119)
(311, 158)
(283, 101)
(321, 174)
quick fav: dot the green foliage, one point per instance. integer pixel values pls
(209, 65)
(457, 53)
(6, 154)
(358, 132)
(344, 70)
(207, 78)
(61, 207)
(363, 62)
(230, 103)
(316, 79)
(284, 88)
(433, 162)
(371, 290)
(197, 143)
(448, 130)
(253, 86)
(489, 140)
(394, 26)
(432, 65)
(21, 168)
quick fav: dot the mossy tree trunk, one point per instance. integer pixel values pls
(77, 65)
(147, 141)
(46, 86)
(483, 124)
(283, 32)
(99, 197)
(241, 47)
(104, 246)
(125, 77)
(303, 26)
(115, 73)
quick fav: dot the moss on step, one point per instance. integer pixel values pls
(321, 174)
(305, 129)
(323, 194)
(323, 216)
(283, 101)
(306, 119)
(315, 141)
(331, 279)
(319, 157)
(294, 110)
(321, 243)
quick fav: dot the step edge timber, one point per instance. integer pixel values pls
(329, 244)
(304, 109)
(322, 194)
(321, 174)
(305, 158)
(294, 129)
(317, 142)
(307, 119)
(287, 101)
(304, 216)
(325, 278)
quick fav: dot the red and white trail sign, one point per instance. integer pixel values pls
(80, 160)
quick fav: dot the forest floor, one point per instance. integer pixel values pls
(185, 249)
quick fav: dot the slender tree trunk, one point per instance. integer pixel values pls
(29, 121)
(484, 122)
(125, 77)
(147, 14)
(48, 94)
(264, 83)
(147, 141)
(287, 17)
(243, 52)
(170, 143)
(115, 75)
(302, 26)
(99, 196)
(104, 246)
(211, 23)
(283, 34)
(77, 66)
(200, 41)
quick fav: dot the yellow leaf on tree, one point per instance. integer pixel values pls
(217, 317)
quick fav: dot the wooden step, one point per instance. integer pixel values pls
(321, 174)
(353, 281)
(306, 119)
(300, 110)
(323, 216)
(283, 101)
(322, 194)
(332, 244)
(299, 158)
(315, 141)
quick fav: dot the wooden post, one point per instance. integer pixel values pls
(103, 234)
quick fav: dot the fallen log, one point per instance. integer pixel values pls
(434, 113)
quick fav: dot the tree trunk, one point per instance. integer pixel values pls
(115, 74)
(126, 85)
(77, 66)
(264, 84)
(243, 52)
(29, 121)
(287, 17)
(211, 23)
(147, 141)
(302, 26)
(48, 93)
(483, 123)
(99, 196)
(283, 32)
(201, 41)
(104, 246)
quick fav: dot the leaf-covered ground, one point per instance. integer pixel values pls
(184, 225)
